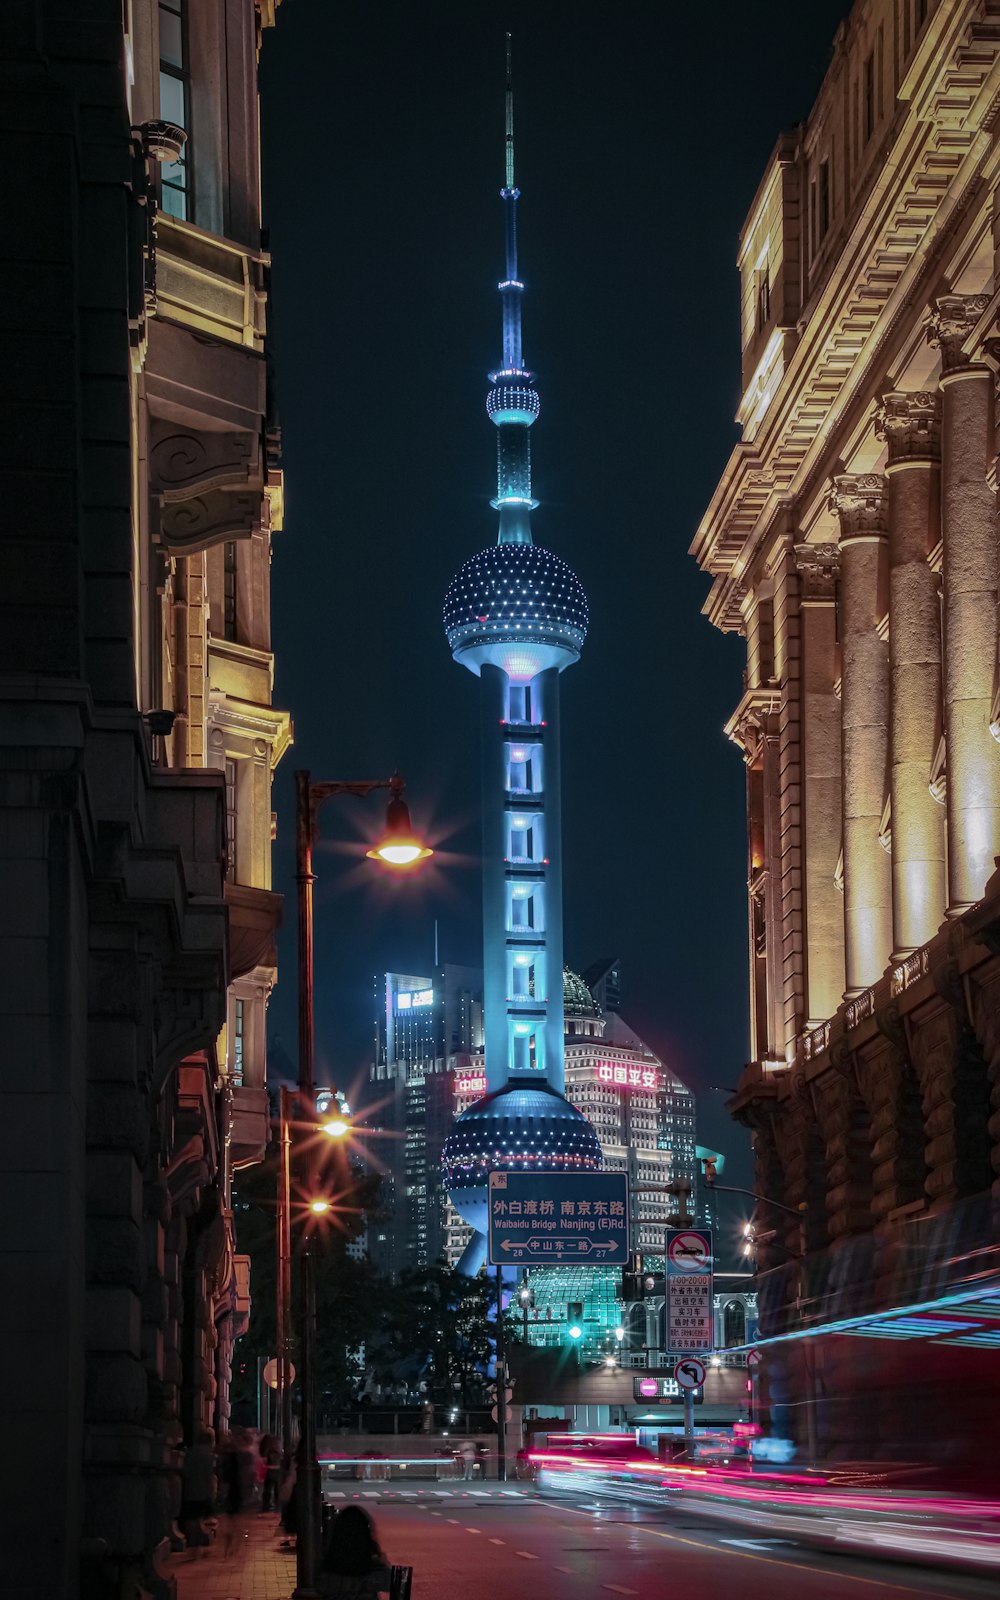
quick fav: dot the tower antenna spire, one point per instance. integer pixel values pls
(510, 289)
(509, 110)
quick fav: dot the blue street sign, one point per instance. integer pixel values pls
(546, 1217)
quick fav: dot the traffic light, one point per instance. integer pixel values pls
(632, 1277)
(574, 1310)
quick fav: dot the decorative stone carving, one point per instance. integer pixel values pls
(187, 526)
(861, 502)
(184, 463)
(910, 424)
(949, 325)
(818, 568)
(210, 486)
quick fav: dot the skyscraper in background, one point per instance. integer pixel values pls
(428, 1034)
(516, 616)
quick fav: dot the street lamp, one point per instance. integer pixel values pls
(399, 845)
(400, 848)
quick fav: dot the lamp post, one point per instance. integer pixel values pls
(398, 848)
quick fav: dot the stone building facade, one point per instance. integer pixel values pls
(852, 541)
(138, 742)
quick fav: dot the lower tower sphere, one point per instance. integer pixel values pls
(523, 1127)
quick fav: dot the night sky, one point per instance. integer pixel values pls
(642, 133)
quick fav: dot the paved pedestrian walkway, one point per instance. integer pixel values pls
(257, 1570)
(260, 1570)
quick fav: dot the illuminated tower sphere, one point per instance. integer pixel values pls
(516, 616)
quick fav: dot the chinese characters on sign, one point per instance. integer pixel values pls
(558, 1216)
(475, 1083)
(629, 1077)
(690, 1320)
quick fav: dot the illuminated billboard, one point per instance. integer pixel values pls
(623, 1077)
(473, 1083)
(409, 1000)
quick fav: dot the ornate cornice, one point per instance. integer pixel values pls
(910, 423)
(950, 324)
(753, 720)
(861, 501)
(818, 568)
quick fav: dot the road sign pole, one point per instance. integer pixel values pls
(688, 1415)
(501, 1381)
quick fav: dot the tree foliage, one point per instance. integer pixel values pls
(440, 1334)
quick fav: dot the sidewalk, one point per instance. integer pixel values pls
(257, 1571)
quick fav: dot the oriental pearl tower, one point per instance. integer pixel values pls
(516, 616)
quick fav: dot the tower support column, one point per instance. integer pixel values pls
(493, 704)
(818, 566)
(969, 564)
(861, 503)
(555, 1066)
(910, 423)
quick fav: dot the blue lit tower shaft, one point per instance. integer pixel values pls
(517, 616)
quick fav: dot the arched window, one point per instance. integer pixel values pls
(734, 1324)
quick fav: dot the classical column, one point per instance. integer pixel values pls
(818, 566)
(861, 503)
(969, 539)
(910, 424)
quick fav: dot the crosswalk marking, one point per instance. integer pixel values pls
(498, 1541)
(526, 1554)
(616, 1588)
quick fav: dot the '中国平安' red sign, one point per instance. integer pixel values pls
(628, 1077)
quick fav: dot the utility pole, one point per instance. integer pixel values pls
(684, 1219)
(501, 1385)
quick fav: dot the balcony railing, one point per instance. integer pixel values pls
(210, 283)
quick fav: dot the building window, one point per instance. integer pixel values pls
(763, 298)
(522, 909)
(237, 1041)
(519, 703)
(229, 591)
(869, 97)
(231, 820)
(175, 100)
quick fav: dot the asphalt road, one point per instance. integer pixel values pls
(467, 1547)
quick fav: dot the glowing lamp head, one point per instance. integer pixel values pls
(320, 1207)
(336, 1128)
(619, 1334)
(576, 1332)
(399, 845)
